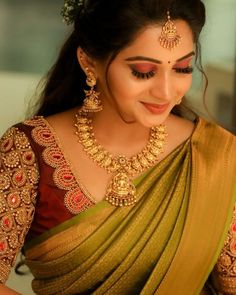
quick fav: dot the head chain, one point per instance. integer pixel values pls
(71, 9)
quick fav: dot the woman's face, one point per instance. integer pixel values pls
(145, 80)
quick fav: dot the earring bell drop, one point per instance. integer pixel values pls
(92, 103)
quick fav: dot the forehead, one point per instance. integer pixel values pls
(147, 43)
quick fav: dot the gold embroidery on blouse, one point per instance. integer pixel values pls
(74, 200)
(18, 182)
(226, 265)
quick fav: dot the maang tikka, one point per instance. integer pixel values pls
(169, 36)
(92, 103)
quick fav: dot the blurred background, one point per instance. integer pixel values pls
(31, 34)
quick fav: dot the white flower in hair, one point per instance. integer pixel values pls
(70, 10)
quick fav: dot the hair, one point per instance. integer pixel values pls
(102, 28)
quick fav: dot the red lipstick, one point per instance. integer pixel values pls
(155, 108)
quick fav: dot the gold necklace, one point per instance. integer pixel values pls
(121, 190)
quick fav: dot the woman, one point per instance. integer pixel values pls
(110, 191)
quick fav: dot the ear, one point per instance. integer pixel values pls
(85, 61)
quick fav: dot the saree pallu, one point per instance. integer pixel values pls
(167, 243)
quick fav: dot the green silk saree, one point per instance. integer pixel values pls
(168, 243)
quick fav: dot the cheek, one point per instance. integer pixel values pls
(185, 84)
(123, 86)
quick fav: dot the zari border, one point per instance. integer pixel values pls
(210, 202)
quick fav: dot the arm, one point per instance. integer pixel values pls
(224, 274)
(18, 184)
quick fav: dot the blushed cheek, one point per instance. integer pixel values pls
(187, 85)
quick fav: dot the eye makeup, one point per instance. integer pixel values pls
(148, 70)
(143, 70)
(183, 67)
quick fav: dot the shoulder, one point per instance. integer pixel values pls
(214, 149)
(214, 135)
(63, 119)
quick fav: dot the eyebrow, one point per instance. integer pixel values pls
(136, 58)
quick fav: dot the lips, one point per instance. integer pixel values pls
(155, 108)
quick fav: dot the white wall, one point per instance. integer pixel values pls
(16, 90)
(219, 36)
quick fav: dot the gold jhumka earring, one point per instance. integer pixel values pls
(169, 36)
(92, 103)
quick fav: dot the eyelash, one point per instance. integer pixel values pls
(148, 75)
(187, 70)
(141, 75)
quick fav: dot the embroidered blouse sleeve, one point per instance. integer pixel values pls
(225, 271)
(18, 182)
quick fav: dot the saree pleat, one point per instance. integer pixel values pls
(155, 247)
(127, 234)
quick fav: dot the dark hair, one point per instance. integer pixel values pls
(102, 28)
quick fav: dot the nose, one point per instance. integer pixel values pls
(163, 87)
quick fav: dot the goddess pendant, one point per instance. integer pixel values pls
(121, 190)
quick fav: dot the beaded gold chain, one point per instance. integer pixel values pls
(121, 190)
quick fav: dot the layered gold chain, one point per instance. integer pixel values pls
(120, 190)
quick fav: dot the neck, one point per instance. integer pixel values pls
(118, 136)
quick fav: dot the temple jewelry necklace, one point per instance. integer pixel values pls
(121, 190)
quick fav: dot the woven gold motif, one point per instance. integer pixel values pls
(13, 240)
(43, 135)
(75, 200)
(21, 216)
(12, 159)
(6, 223)
(28, 158)
(6, 145)
(17, 160)
(53, 157)
(226, 264)
(3, 204)
(33, 175)
(5, 181)
(3, 245)
(14, 199)
(19, 178)
(21, 141)
(26, 195)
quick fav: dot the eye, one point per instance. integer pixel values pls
(187, 70)
(143, 75)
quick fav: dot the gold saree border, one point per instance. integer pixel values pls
(65, 241)
(66, 224)
(187, 272)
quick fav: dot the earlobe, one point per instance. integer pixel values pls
(85, 61)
